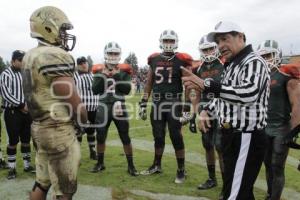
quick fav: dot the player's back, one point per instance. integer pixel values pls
(41, 66)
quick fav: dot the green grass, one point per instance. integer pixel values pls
(115, 175)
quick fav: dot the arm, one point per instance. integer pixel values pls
(148, 86)
(293, 89)
(64, 86)
(123, 82)
(187, 92)
(98, 85)
(6, 92)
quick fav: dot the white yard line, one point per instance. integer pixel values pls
(18, 190)
(199, 159)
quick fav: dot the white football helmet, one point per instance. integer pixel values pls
(271, 52)
(112, 53)
(167, 46)
(208, 50)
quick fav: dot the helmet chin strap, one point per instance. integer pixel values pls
(110, 66)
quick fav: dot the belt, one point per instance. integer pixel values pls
(226, 125)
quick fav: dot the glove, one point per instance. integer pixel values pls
(193, 127)
(186, 114)
(186, 117)
(143, 109)
(290, 138)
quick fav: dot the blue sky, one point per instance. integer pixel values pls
(137, 24)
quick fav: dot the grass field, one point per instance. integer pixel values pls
(115, 175)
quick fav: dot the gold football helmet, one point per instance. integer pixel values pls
(49, 25)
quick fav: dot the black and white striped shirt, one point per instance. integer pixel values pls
(84, 83)
(11, 88)
(243, 98)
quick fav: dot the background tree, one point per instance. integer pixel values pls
(2, 65)
(132, 60)
(90, 61)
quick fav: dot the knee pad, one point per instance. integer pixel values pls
(278, 170)
(207, 145)
(177, 143)
(125, 138)
(159, 142)
(38, 185)
(219, 148)
(101, 136)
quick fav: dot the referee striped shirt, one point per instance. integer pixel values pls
(11, 88)
(243, 100)
(84, 83)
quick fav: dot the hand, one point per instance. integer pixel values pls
(191, 81)
(24, 109)
(291, 137)
(143, 109)
(204, 122)
(78, 128)
(185, 118)
(193, 127)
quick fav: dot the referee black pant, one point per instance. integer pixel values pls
(243, 154)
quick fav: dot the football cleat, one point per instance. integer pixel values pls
(98, 168)
(132, 171)
(180, 176)
(209, 183)
(12, 174)
(29, 169)
(154, 169)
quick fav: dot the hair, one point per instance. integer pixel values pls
(233, 33)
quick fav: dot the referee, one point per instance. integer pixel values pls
(83, 80)
(16, 116)
(241, 107)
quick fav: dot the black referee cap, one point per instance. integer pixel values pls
(18, 55)
(81, 60)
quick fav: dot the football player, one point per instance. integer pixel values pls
(164, 82)
(53, 103)
(211, 67)
(283, 117)
(112, 82)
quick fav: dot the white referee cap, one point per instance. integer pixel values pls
(223, 27)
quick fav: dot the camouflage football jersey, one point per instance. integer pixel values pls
(167, 73)
(279, 107)
(41, 65)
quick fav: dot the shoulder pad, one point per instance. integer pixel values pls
(152, 56)
(292, 70)
(125, 68)
(53, 62)
(97, 68)
(185, 58)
